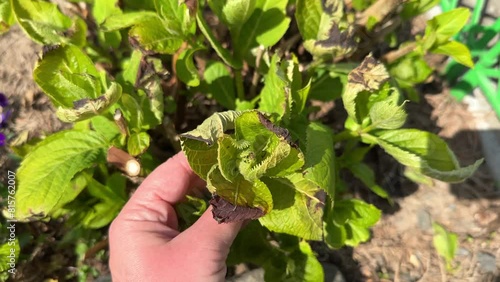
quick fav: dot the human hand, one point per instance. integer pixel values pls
(145, 244)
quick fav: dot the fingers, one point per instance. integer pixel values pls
(208, 234)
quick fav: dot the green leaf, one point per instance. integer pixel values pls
(233, 13)
(111, 201)
(106, 127)
(310, 268)
(364, 173)
(67, 75)
(386, 114)
(121, 21)
(410, 70)
(203, 155)
(189, 211)
(366, 78)
(426, 153)
(87, 108)
(414, 8)
(446, 243)
(349, 221)
(128, 77)
(176, 16)
(42, 21)
(240, 192)
(221, 51)
(44, 176)
(9, 252)
(220, 84)
(458, 51)
(138, 143)
(153, 34)
(152, 104)
(321, 27)
(266, 26)
(297, 208)
(320, 157)
(132, 112)
(102, 9)
(447, 24)
(79, 37)
(185, 68)
(327, 86)
(6, 17)
(274, 97)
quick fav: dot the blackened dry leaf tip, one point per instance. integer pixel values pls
(197, 138)
(279, 131)
(225, 212)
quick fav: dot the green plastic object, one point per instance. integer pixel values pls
(485, 50)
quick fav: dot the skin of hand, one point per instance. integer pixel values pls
(145, 244)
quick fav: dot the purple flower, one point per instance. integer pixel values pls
(2, 139)
(3, 100)
(3, 118)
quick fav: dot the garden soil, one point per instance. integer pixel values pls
(401, 248)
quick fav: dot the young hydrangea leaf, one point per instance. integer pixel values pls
(189, 211)
(387, 114)
(447, 24)
(348, 222)
(275, 96)
(42, 21)
(410, 70)
(307, 267)
(446, 244)
(426, 153)
(154, 35)
(45, 174)
(6, 16)
(266, 26)
(233, 13)
(103, 9)
(200, 145)
(79, 36)
(152, 103)
(228, 158)
(132, 112)
(320, 157)
(138, 143)
(318, 23)
(240, 192)
(111, 200)
(185, 68)
(177, 16)
(367, 77)
(121, 21)
(220, 84)
(364, 173)
(106, 127)
(415, 8)
(297, 207)
(87, 108)
(458, 51)
(66, 75)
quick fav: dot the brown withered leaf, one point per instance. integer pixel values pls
(224, 212)
(370, 74)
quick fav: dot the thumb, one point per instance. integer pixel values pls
(209, 237)
(207, 230)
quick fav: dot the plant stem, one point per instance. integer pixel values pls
(396, 54)
(239, 85)
(344, 135)
(256, 75)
